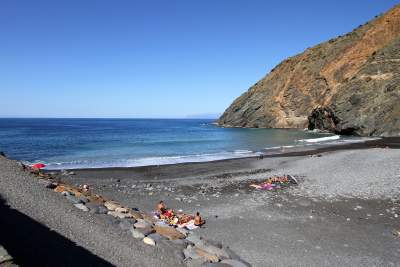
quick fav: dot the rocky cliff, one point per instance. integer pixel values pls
(347, 85)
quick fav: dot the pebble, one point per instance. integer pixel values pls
(190, 253)
(136, 214)
(137, 234)
(183, 231)
(180, 243)
(205, 254)
(219, 252)
(169, 232)
(4, 256)
(141, 224)
(66, 193)
(126, 224)
(195, 239)
(96, 208)
(149, 241)
(73, 199)
(121, 210)
(149, 218)
(81, 207)
(83, 199)
(111, 205)
(119, 215)
(396, 232)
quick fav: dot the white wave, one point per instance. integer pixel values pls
(149, 161)
(279, 147)
(321, 139)
(242, 151)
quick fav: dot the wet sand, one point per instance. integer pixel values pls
(342, 212)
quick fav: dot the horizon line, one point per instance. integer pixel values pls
(144, 118)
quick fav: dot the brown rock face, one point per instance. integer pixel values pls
(354, 79)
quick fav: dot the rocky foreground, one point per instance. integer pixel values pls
(172, 246)
(348, 85)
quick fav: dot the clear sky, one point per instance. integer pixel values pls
(154, 58)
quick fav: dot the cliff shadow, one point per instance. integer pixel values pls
(33, 244)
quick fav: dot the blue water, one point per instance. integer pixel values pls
(78, 143)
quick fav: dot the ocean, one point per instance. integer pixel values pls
(91, 143)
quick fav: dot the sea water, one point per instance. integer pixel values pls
(91, 143)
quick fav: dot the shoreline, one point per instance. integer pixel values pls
(382, 142)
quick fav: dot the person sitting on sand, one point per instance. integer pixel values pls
(198, 221)
(161, 208)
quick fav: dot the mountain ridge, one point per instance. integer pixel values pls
(348, 85)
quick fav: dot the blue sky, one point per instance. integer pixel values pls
(154, 58)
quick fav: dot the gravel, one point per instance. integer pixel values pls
(24, 193)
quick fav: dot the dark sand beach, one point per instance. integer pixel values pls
(343, 211)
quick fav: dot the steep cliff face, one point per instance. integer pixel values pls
(348, 85)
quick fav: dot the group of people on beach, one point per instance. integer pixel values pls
(178, 218)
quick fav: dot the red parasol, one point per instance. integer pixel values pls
(38, 166)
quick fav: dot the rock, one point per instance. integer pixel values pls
(66, 188)
(121, 210)
(210, 257)
(83, 199)
(353, 80)
(126, 224)
(119, 215)
(232, 255)
(156, 237)
(234, 263)
(396, 232)
(180, 243)
(111, 205)
(322, 118)
(96, 208)
(52, 185)
(145, 231)
(195, 239)
(4, 256)
(136, 214)
(190, 253)
(142, 224)
(81, 207)
(96, 199)
(221, 253)
(137, 234)
(149, 218)
(183, 231)
(149, 241)
(73, 199)
(169, 232)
